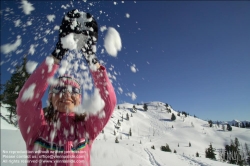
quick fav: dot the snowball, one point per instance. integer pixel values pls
(27, 7)
(7, 48)
(30, 66)
(51, 17)
(112, 42)
(28, 93)
(91, 104)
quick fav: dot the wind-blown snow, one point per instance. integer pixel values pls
(31, 66)
(7, 48)
(112, 42)
(27, 7)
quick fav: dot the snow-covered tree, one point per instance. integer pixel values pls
(13, 86)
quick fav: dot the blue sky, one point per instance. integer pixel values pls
(192, 55)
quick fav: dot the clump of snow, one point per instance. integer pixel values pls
(56, 27)
(112, 42)
(127, 15)
(30, 66)
(17, 23)
(7, 48)
(29, 23)
(103, 28)
(91, 104)
(120, 89)
(32, 49)
(133, 69)
(63, 68)
(49, 61)
(27, 7)
(28, 93)
(68, 42)
(51, 17)
(132, 95)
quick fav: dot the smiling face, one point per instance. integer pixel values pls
(66, 95)
(65, 101)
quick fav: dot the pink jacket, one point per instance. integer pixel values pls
(64, 142)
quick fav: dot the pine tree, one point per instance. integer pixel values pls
(173, 117)
(145, 107)
(116, 140)
(210, 152)
(197, 154)
(118, 123)
(166, 148)
(210, 122)
(134, 108)
(229, 128)
(130, 132)
(13, 87)
(127, 116)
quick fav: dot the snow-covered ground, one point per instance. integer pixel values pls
(152, 127)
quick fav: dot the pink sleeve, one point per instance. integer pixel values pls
(29, 104)
(95, 124)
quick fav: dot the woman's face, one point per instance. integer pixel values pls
(65, 101)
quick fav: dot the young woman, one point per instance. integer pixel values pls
(61, 137)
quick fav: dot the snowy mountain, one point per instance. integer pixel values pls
(154, 127)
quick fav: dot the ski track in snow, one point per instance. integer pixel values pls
(192, 161)
(151, 158)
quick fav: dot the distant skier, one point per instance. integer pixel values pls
(59, 136)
